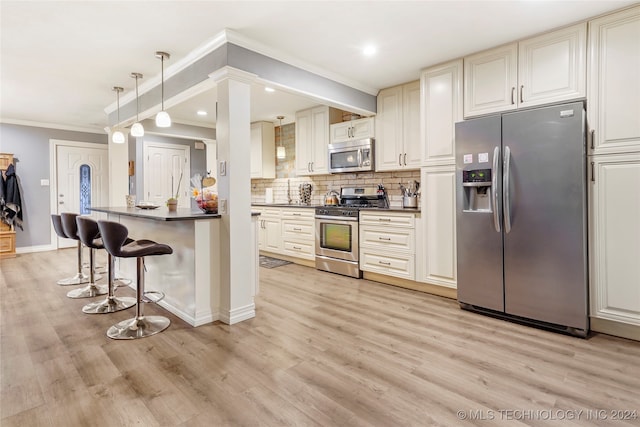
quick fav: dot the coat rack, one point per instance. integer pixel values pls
(7, 234)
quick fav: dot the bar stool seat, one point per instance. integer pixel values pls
(90, 236)
(80, 278)
(114, 235)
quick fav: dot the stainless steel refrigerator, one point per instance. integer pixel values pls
(521, 216)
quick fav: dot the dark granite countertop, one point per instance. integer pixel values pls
(285, 205)
(158, 214)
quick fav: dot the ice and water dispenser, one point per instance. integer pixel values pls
(476, 185)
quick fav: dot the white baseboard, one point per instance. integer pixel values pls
(32, 249)
(237, 315)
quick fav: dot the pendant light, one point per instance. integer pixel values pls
(117, 137)
(137, 129)
(281, 152)
(162, 118)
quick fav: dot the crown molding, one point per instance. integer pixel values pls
(228, 72)
(56, 126)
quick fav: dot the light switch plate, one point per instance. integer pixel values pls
(44, 182)
(222, 169)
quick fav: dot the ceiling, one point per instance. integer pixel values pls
(60, 59)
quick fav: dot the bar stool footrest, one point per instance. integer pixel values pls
(154, 299)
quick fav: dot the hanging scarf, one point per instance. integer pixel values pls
(10, 200)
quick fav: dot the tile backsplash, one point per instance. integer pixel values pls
(283, 187)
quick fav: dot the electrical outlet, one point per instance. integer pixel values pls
(223, 206)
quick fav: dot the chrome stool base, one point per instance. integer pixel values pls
(78, 279)
(138, 327)
(109, 305)
(89, 291)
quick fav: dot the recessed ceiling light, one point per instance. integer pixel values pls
(369, 50)
(269, 89)
(202, 113)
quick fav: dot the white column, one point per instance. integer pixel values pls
(118, 170)
(233, 136)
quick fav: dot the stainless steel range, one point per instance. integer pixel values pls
(337, 229)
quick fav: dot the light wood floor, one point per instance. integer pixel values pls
(323, 350)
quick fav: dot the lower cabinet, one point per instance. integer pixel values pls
(387, 243)
(298, 233)
(438, 189)
(287, 231)
(269, 230)
(615, 244)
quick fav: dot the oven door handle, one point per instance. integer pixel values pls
(336, 218)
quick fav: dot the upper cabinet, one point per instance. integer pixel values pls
(263, 150)
(398, 142)
(614, 83)
(312, 139)
(354, 129)
(441, 108)
(540, 70)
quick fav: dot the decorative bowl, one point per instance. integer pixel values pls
(208, 204)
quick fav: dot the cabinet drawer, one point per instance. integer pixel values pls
(271, 212)
(390, 238)
(301, 213)
(298, 231)
(7, 244)
(299, 249)
(389, 263)
(392, 219)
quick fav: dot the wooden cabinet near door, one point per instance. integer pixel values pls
(540, 70)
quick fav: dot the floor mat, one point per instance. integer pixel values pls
(268, 262)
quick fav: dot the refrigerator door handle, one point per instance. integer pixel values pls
(494, 186)
(506, 180)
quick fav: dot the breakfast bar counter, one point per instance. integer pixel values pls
(190, 277)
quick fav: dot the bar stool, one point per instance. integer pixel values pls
(80, 278)
(70, 227)
(90, 236)
(114, 235)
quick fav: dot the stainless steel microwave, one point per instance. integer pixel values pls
(351, 156)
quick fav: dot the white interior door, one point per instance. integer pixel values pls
(81, 180)
(164, 166)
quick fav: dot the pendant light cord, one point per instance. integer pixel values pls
(137, 101)
(162, 80)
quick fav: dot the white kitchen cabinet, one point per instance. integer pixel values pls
(387, 243)
(614, 82)
(263, 150)
(353, 129)
(312, 139)
(545, 69)
(298, 233)
(398, 141)
(441, 108)
(270, 229)
(615, 240)
(438, 208)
